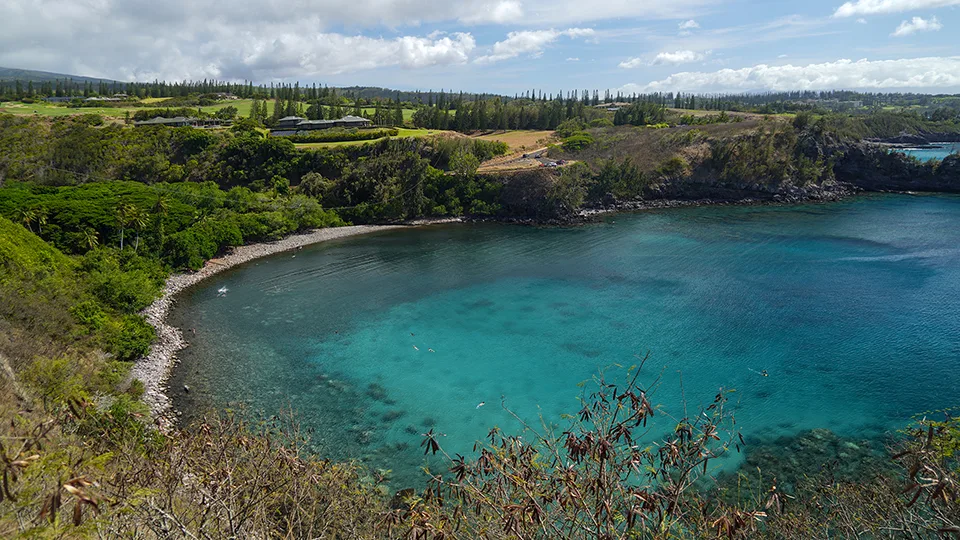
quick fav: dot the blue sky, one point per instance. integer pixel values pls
(502, 46)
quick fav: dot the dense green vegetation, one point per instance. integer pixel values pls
(47, 297)
(94, 216)
(341, 135)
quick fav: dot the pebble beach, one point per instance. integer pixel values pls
(154, 369)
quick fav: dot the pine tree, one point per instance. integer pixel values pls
(277, 110)
(398, 115)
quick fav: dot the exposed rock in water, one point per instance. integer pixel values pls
(808, 454)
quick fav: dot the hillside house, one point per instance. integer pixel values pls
(183, 121)
(289, 122)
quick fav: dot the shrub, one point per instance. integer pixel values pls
(128, 337)
(601, 123)
(123, 280)
(577, 142)
(342, 135)
(568, 128)
(674, 168)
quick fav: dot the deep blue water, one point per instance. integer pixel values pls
(851, 307)
(938, 151)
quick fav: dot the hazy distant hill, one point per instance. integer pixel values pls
(26, 75)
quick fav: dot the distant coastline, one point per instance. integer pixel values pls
(154, 369)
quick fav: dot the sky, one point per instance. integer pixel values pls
(498, 46)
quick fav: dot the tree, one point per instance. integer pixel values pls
(41, 215)
(124, 215)
(398, 115)
(226, 113)
(161, 207)
(464, 165)
(91, 238)
(27, 216)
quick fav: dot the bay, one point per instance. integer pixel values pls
(851, 308)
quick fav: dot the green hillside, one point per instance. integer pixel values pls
(30, 75)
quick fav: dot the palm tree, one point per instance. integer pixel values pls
(139, 219)
(41, 214)
(124, 215)
(91, 238)
(27, 216)
(161, 208)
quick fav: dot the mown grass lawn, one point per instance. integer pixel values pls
(50, 109)
(55, 109)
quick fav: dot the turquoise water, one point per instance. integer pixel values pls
(939, 151)
(852, 308)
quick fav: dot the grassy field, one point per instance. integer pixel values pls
(49, 109)
(404, 132)
(519, 141)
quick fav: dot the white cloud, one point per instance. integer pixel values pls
(311, 39)
(572, 59)
(782, 56)
(679, 57)
(687, 26)
(861, 20)
(907, 73)
(503, 12)
(675, 58)
(874, 7)
(529, 41)
(917, 24)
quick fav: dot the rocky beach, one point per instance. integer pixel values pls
(154, 369)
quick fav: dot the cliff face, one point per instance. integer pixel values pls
(871, 168)
(726, 192)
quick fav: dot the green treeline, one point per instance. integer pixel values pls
(183, 195)
(498, 114)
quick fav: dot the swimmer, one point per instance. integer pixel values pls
(481, 404)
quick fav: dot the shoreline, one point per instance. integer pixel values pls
(154, 369)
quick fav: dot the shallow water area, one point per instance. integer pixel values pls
(851, 308)
(934, 151)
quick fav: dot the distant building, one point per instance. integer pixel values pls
(183, 121)
(289, 122)
(291, 125)
(352, 121)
